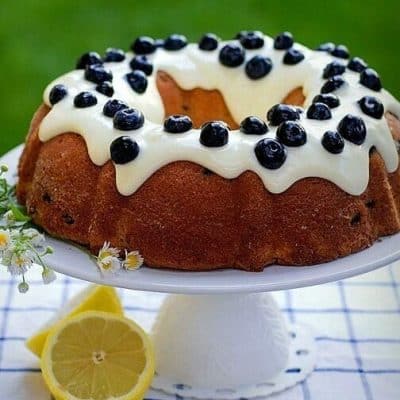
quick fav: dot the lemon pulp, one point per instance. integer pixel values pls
(99, 356)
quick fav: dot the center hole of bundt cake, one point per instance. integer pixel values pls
(205, 105)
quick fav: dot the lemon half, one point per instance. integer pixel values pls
(98, 356)
(94, 297)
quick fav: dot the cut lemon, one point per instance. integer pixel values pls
(94, 297)
(98, 356)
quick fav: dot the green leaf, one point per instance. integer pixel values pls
(18, 214)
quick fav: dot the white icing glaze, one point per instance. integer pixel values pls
(192, 68)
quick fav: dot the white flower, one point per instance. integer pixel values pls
(5, 239)
(15, 270)
(19, 262)
(109, 264)
(133, 260)
(48, 276)
(107, 259)
(36, 238)
(107, 251)
(22, 258)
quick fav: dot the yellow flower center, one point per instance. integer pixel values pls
(19, 261)
(3, 239)
(104, 254)
(106, 265)
(132, 261)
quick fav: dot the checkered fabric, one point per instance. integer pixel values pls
(356, 324)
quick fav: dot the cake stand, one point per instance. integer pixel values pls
(231, 342)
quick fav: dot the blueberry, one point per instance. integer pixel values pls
(283, 41)
(340, 51)
(97, 73)
(319, 111)
(208, 42)
(333, 142)
(114, 55)
(178, 124)
(332, 84)
(329, 99)
(143, 45)
(85, 99)
(291, 134)
(270, 153)
(105, 88)
(137, 81)
(112, 106)
(282, 112)
(357, 64)
(370, 79)
(123, 150)
(142, 63)
(89, 58)
(231, 55)
(252, 40)
(333, 68)
(175, 42)
(372, 107)
(57, 93)
(214, 134)
(292, 57)
(328, 46)
(258, 67)
(353, 129)
(253, 126)
(128, 119)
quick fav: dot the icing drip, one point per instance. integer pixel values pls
(193, 68)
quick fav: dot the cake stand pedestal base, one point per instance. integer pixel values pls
(228, 347)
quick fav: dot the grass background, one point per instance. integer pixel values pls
(41, 39)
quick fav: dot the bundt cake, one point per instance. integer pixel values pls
(216, 154)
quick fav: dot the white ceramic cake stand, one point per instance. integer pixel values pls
(231, 342)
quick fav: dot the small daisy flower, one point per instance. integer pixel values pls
(109, 264)
(133, 260)
(21, 261)
(107, 251)
(15, 270)
(48, 276)
(107, 259)
(5, 239)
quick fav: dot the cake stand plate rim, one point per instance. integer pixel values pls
(71, 260)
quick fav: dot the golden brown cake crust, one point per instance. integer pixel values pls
(186, 217)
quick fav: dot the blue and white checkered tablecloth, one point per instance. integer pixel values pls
(356, 322)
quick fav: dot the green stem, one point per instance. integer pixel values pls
(37, 255)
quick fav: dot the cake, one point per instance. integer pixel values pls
(216, 154)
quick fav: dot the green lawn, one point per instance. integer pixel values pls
(40, 39)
